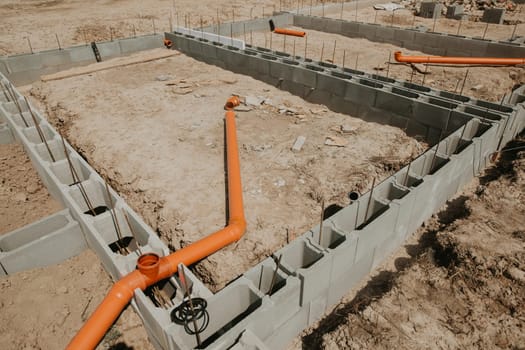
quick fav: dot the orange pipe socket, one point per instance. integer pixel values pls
(152, 269)
(458, 60)
(285, 31)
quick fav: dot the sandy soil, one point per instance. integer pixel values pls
(23, 197)
(161, 145)
(78, 22)
(461, 284)
(468, 258)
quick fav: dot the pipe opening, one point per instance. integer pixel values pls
(148, 264)
(353, 196)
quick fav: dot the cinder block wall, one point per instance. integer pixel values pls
(428, 42)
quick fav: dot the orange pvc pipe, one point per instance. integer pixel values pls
(150, 270)
(458, 60)
(289, 32)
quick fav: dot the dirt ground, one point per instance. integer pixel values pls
(23, 197)
(155, 131)
(161, 145)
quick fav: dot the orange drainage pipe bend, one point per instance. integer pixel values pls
(458, 60)
(152, 269)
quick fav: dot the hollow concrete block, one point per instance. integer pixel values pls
(350, 29)
(109, 49)
(249, 340)
(360, 94)
(331, 84)
(79, 54)
(306, 77)
(288, 330)
(403, 35)
(493, 15)
(368, 31)
(430, 9)
(6, 135)
(309, 264)
(396, 102)
(19, 63)
(384, 34)
(431, 115)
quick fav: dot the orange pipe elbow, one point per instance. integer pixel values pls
(458, 60)
(289, 32)
(152, 269)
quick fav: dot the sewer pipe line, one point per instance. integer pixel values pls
(152, 268)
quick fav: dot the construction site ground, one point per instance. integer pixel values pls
(155, 132)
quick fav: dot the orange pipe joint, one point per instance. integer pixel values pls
(399, 57)
(152, 268)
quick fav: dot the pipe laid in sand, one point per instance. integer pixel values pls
(285, 31)
(458, 60)
(152, 270)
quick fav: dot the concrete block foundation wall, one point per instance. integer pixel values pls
(315, 272)
(26, 68)
(428, 42)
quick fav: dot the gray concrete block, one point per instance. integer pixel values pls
(317, 309)
(6, 135)
(331, 84)
(309, 264)
(296, 89)
(385, 34)
(249, 340)
(368, 31)
(350, 29)
(430, 9)
(109, 49)
(498, 49)
(81, 54)
(333, 26)
(493, 15)
(20, 63)
(302, 21)
(283, 335)
(430, 40)
(307, 77)
(54, 58)
(361, 92)
(431, 115)
(48, 241)
(399, 101)
(343, 283)
(403, 35)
